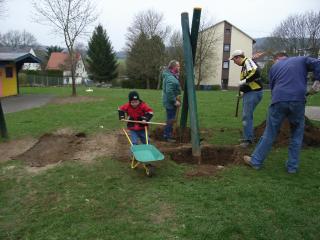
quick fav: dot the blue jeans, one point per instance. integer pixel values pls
(250, 101)
(171, 115)
(136, 135)
(294, 111)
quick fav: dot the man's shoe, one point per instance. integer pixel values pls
(292, 171)
(247, 161)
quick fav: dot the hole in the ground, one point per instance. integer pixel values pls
(210, 155)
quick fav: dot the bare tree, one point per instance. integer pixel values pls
(207, 40)
(298, 34)
(175, 51)
(70, 18)
(17, 39)
(290, 34)
(2, 7)
(313, 32)
(150, 23)
(81, 48)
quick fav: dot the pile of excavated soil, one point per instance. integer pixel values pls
(10, 149)
(311, 134)
(65, 145)
(52, 148)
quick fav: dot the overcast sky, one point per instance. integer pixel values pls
(257, 18)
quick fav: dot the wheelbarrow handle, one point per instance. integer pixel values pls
(125, 132)
(143, 122)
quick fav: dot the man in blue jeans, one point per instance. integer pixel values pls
(288, 84)
(250, 86)
(171, 91)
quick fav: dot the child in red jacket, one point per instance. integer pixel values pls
(136, 110)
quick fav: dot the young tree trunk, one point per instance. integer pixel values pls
(74, 91)
(72, 69)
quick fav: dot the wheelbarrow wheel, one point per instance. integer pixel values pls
(150, 170)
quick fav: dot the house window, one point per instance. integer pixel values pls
(9, 72)
(227, 30)
(225, 65)
(226, 47)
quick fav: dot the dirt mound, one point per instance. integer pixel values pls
(64, 145)
(51, 149)
(13, 148)
(311, 135)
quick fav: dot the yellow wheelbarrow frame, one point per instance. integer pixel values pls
(144, 154)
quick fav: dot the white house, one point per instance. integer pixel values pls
(60, 61)
(218, 70)
(32, 66)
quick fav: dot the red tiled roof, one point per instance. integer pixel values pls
(58, 60)
(258, 55)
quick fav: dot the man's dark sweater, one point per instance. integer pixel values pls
(291, 74)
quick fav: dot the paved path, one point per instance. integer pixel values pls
(313, 112)
(23, 102)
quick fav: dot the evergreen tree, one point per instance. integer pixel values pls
(52, 49)
(101, 57)
(144, 59)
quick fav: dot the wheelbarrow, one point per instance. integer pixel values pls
(144, 154)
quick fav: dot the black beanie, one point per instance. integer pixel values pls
(133, 96)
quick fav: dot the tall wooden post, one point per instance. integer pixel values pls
(192, 101)
(194, 38)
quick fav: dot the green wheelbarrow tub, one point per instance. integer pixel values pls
(146, 153)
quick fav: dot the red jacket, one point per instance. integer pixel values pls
(142, 111)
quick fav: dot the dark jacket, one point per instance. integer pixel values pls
(288, 78)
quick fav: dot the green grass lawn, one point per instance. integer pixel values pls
(108, 200)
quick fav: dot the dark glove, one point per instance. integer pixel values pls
(121, 114)
(147, 117)
(143, 118)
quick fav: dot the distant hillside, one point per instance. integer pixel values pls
(259, 45)
(121, 55)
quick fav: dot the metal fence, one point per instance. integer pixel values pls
(41, 80)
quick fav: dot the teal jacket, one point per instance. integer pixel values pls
(170, 89)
